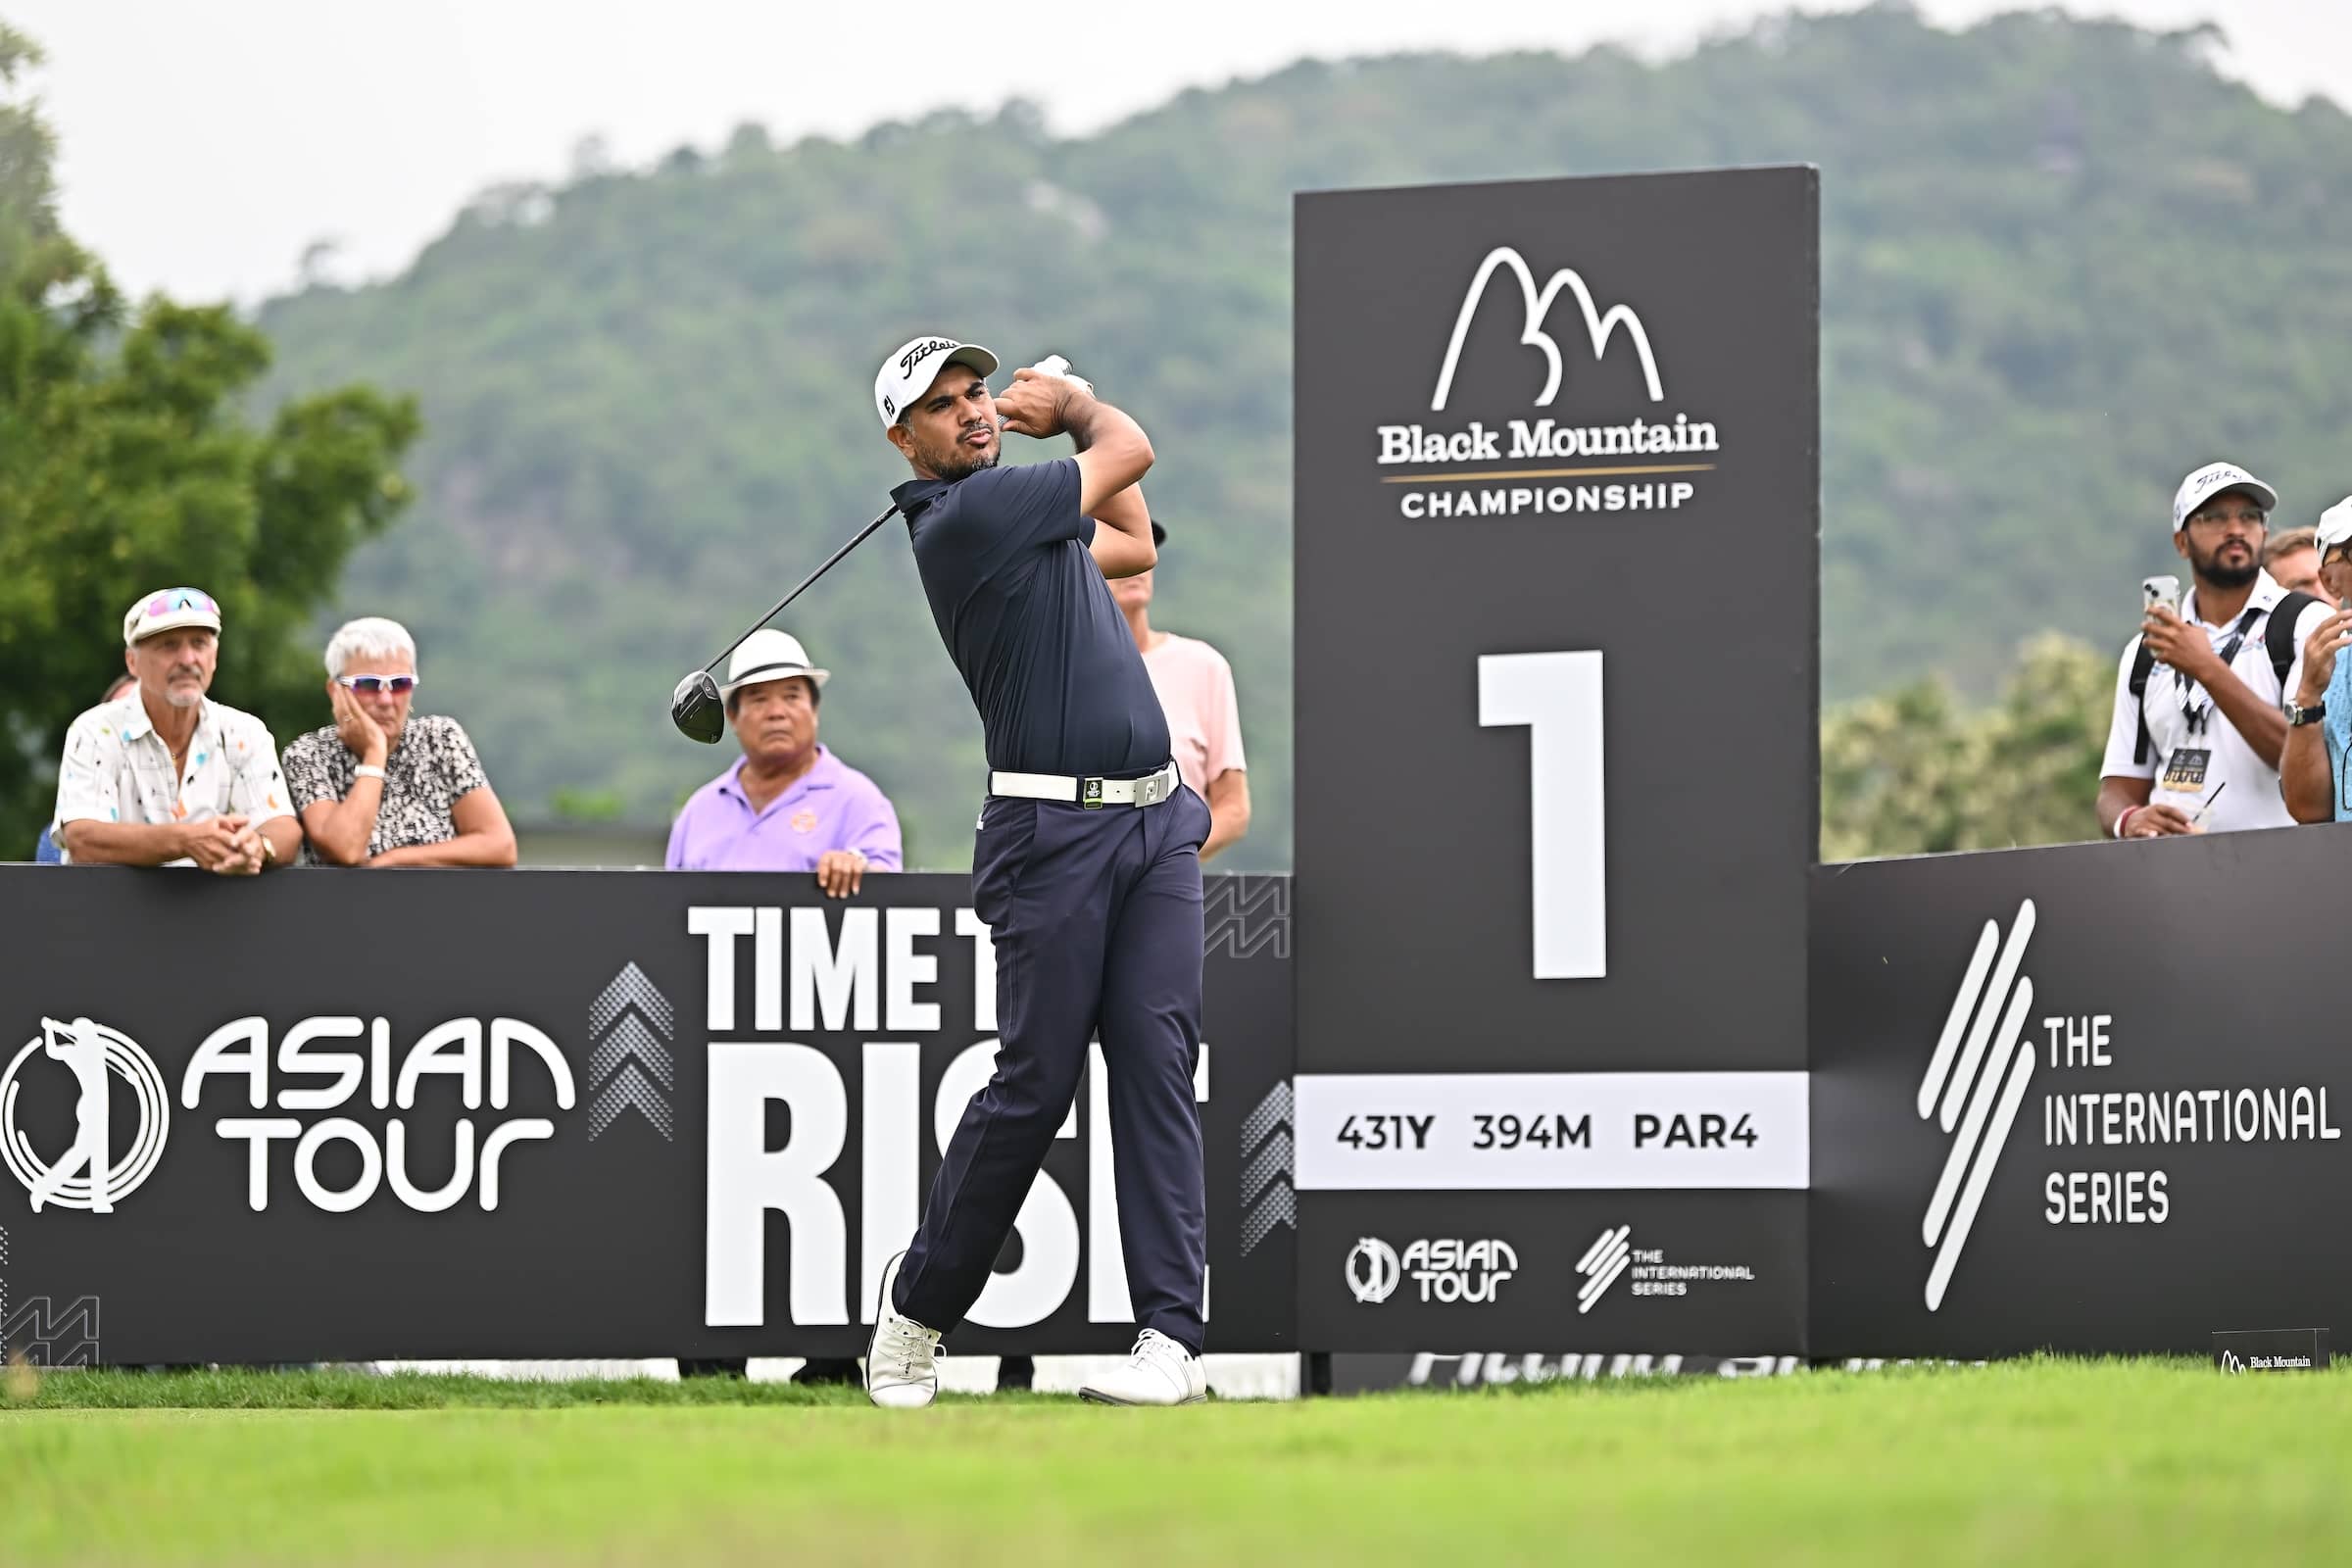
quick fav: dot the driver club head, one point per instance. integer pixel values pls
(695, 708)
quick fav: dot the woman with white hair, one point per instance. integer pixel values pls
(384, 787)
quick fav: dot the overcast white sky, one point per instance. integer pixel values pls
(206, 143)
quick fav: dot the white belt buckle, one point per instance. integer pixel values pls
(1151, 791)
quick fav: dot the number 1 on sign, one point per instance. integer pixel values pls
(1557, 697)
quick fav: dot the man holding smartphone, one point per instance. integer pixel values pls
(2199, 726)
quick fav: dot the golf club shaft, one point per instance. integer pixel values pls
(856, 540)
(1051, 364)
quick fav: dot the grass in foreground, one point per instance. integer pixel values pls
(351, 1389)
(2043, 1461)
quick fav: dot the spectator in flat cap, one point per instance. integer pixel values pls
(163, 775)
(384, 786)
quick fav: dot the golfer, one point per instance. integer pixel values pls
(1085, 865)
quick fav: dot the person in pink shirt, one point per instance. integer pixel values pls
(1204, 721)
(787, 804)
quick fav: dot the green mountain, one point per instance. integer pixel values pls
(2064, 262)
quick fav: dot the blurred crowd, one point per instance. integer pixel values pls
(159, 773)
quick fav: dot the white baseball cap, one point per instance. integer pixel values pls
(2210, 481)
(769, 655)
(2335, 526)
(169, 609)
(909, 371)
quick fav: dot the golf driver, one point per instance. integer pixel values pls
(695, 706)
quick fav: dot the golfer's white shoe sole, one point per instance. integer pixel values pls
(1098, 1397)
(1159, 1372)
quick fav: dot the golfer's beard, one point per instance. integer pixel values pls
(2221, 576)
(962, 463)
(183, 696)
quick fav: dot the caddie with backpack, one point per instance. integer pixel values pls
(2200, 702)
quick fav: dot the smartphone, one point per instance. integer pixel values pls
(2154, 591)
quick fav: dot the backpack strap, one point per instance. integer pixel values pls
(2142, 662)
(2280, 634)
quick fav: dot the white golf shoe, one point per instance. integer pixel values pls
(902, 1359)
(1158, 1371)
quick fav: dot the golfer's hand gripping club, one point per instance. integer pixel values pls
(1056, 364)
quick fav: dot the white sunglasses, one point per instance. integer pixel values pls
(370, 685)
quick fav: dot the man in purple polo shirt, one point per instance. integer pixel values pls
(789, 805)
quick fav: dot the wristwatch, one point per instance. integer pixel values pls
(2297, 716)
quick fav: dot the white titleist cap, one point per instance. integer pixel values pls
(2335, 526)
(909, 371)
(2210, 481)
(770, 654)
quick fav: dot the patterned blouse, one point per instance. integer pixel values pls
(432, 765)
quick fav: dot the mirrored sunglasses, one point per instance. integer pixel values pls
(171, 598)
(371, 685)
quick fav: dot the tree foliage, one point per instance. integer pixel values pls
(1915, 772)
(126, 465)
(2063, 263)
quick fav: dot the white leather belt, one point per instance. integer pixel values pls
(1149, 790)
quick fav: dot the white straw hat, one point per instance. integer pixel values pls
(769, 655)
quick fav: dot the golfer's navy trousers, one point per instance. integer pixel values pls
(1095, 915)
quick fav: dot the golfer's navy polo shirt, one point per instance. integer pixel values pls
(1031, 625)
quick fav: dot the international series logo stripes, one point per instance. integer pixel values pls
(1977, 1087)
(1602, 1263)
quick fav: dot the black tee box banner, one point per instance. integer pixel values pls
(450, 1114)
(1556, 538)
(2088, 1098)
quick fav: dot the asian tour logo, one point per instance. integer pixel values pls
(1447, 1270)
(1373, 1272)
(85, 1175)
(1975, 1082)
